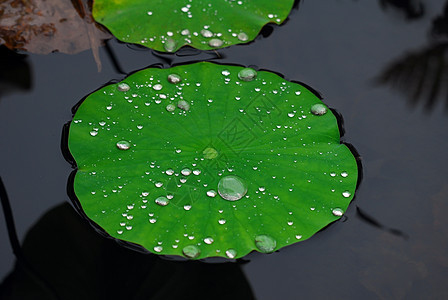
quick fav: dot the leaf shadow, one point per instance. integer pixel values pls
(81, 264)
(421, 75)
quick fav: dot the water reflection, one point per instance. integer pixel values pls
(15, 73)
(78, 263)
(422, 74)
(412, 9)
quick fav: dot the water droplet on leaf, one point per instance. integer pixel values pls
(215, 43)
(346, 194)
(123, 87)
(265, 243)
(170, 45)
(210, 153)
(170, 107)
(247, 74)
(319, 109)
(186, 172)
(157, 87)
(123, 145)
(208, 240)
(206, 33)
(162, 201)
(174, 78)
(232, 188)
(184, 105)
(337, 212)
(243, 36)
(191, 251)
(211, 193)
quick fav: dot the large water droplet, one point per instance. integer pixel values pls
(158, 248)
(247, 74)
(346, 194)
(123, 87)
(337, 212)
(265, 243)
(191, 251)
(231, 253)
(232, 188)
(210, 153)
(169, 172)
(174, 78)
(162, 201)
(319, 109)
(123, 145)
(215, 43)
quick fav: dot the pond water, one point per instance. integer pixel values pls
(393, 242)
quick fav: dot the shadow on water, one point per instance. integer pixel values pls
(77, 263)
(15, 72)
(412, 9)
(422, 74)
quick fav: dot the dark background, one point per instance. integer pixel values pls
(381, 64)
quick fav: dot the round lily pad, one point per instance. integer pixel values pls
(206, 160)
(203, 24)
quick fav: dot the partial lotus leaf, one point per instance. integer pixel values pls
(206, 160)
(167, 25)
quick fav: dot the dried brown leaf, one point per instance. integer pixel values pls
(45, 26)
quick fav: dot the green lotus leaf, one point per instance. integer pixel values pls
(206, 160)
(167, 25)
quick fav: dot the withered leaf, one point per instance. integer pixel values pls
(45, 26)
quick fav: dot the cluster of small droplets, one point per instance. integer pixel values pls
(230, 187)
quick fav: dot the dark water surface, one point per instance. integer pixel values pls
(393, 243)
